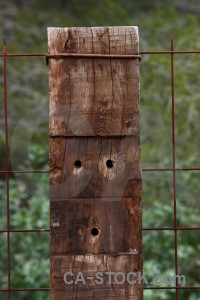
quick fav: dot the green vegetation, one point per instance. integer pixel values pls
(24, 24)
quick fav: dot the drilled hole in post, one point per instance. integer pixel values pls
(77, 164)
(95, 231)
(109, 163)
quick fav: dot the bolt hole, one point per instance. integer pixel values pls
(95, 231)
(77, 164)
(109, 163)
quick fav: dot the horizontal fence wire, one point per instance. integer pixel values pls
(144, 228)
(143, 170)
(173, 169)
(70, 54)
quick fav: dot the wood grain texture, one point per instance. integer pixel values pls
(93, 178)
(117, 220)
(94, 161)
(89, 265)
(94, 96)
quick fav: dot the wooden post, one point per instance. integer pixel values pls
(95, 175)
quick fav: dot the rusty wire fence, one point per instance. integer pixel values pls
(7, 172)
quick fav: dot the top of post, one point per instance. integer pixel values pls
(122, 40)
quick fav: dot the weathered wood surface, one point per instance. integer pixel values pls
(94, 178)
(90, 265)
(94, 96)
(95, 175)
(117, 221)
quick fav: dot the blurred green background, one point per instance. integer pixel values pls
(24, 24)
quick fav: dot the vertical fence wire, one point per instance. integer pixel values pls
(174, 164)
(7, 168)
